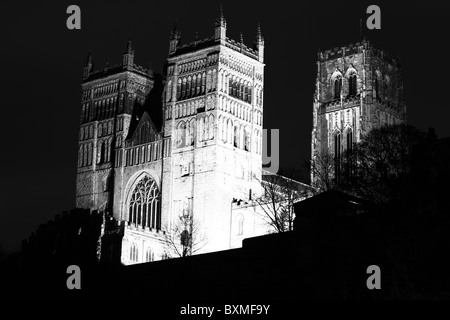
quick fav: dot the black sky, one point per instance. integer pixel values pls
(42, 67)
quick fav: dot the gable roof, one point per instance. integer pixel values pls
(143, 132)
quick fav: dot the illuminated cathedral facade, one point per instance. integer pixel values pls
(205, 155)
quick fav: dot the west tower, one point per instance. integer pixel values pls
(109, 97)
(358, 88)
(213, 107)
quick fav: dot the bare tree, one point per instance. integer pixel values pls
(378, 164)
(323, 172)
(184, 238)
(276, 205)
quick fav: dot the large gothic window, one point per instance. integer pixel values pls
(337, 87)
(145, 204)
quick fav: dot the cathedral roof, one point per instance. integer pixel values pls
(142, 130)
(116, 69)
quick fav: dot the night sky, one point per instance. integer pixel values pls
(42, 67)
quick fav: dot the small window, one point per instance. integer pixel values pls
(352, 83)
(149, 255)
(240, 225)
(337, 87)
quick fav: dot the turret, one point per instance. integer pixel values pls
(128, 55)
(220, 27)
(88, 66)
(259, 44)
(175, 37)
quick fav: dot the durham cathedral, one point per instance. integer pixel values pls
(201, 155)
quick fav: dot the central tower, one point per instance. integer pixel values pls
(213, 107)
(358, 88)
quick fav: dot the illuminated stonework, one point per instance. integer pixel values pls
(207, 153)
(358, 88)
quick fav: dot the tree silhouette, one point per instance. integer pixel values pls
(184, 238)
(377, 167)
(276, 205)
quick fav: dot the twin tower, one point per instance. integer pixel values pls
(205, 154)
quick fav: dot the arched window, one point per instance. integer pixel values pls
(201, 129)
(337, 87)
(188, 87)
(100, 152)
(169, 91)
(149, 255)
(238, 89)
(89, 154)
(224, 130)
(352, 84)
(108, 151)
(214, 80)
(205, 123)
(183, 89)
(194, 85)
(337, 145)
(247, 139)
(377, 92)
(236, 136)
(230, 131)
(83, 155)
(349, 139)
(337, 156)
(198, 84)
(178, 89)
(145, 204)
(208, 81)
(241, 136)
(134, 253)
(211, 127)
(203, 82)
(181, 135)
(192, 132)
(240, 225)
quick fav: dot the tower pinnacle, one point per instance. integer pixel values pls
(175, 37)
(220, 26)
(128, 55)
(88, 65)
(259, 43)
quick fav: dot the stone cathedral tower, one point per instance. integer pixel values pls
(213, 114)
(358, 88)
(206, 155)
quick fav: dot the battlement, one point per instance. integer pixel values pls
(116, 69)
(239, 203)
(355, 48)
(64, 234)
(210, 42)
(242, 48)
